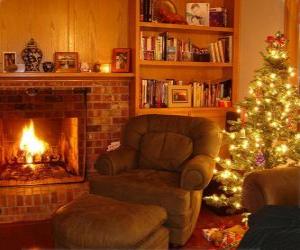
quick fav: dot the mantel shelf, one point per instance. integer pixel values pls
(63, 76)
(184, 27)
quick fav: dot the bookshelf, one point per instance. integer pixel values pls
(186, 71)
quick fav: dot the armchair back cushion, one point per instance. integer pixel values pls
(164, 151)
(166, 142)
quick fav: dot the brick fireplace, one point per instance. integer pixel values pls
(74, 120)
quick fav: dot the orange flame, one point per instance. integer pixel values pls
(31, 144)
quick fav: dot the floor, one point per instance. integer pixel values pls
(38, 235)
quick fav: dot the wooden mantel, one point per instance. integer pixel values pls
(64, 76)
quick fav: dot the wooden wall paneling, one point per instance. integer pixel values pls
(236, 48)
(45, 21)
(292, 10)
(99, 26)
(134, 44)
(93, 27)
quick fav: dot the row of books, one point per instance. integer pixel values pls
(221, 51)
(196, 14)
(205, 93)
(164, 47)
(210, 94)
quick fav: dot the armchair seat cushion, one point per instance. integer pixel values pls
(145, 186)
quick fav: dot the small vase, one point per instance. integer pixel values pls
(32, 56)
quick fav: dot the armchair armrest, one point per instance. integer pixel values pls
(197, 173)
(114, 162)
(277, 186)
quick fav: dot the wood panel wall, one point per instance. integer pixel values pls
(91, 27)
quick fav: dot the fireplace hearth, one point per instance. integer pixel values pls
(42, 136)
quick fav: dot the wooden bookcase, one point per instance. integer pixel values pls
(186, 71)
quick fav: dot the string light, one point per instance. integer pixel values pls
(259, 83)
(268, 100)
(288, 85)
(273, 76)
(232, 136)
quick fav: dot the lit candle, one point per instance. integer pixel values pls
(105, 68)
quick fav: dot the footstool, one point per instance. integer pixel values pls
(96, 222)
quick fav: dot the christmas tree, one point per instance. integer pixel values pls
(265, 135)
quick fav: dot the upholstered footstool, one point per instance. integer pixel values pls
(96, 222)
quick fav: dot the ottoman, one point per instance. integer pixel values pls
(96, 222)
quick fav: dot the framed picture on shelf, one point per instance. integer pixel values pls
(179, 96)
(66, 62)
(121, 59)
(9, 59)
(197, 14)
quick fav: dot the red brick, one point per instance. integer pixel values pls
(54, 198)
(69, 196)
(11, 200)
(61, 197)
(20, 200)
(28, 200)
(3, 200)
(119, 120)
(102, 105)
(124, 97)
(45, 199)
(37, 199)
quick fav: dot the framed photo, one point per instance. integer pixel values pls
(9, 59)
(66, 61)
(197, 14)
(179, 96)
(121, 61)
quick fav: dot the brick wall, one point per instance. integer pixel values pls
(108, 111)
(37, 202)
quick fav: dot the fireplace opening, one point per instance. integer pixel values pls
(43, 147)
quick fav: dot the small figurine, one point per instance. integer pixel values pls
(85, 67)
(97, 67)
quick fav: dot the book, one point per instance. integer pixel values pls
(197, 14)
(212, 53)
(217, 52)
(227, 48)
(221, 50)
(218, 17)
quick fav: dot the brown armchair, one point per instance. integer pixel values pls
(277, 186)
(164, 160)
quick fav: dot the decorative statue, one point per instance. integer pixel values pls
(32, 56)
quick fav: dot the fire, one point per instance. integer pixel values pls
(31, 144)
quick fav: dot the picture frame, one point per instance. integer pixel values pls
(197, 14)
(67, 62)
(179, 96)
(9, 58)
(121, 60)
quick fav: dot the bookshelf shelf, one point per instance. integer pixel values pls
(184, 28)
(183, 64)
(200, 111)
